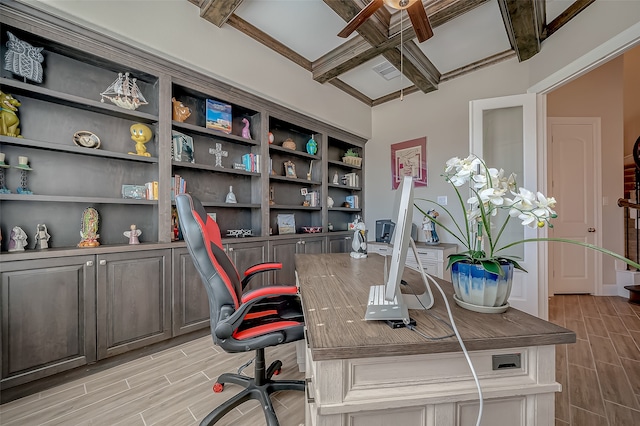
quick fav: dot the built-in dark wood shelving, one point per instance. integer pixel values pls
(211, 132)
(71, 199)
(213, 168)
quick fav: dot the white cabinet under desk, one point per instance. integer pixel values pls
(434, 258)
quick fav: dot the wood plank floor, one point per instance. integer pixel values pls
(600, 376)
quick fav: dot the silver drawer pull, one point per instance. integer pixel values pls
(310, 399)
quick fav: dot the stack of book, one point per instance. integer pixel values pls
(354, 201)
(178, 186)
(352, 179)
(252, 162)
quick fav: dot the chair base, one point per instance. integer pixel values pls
(259, 389)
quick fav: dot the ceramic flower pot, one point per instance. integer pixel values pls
(479, 290)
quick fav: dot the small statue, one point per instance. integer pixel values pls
(336, 178)
(245, 130)
(231, 197)
(359, 243)
(9, 120)
(429, 228)
(312, 146)
(180, 112)
(18, 239)
(330, 202)
(133, 235)
(141, 134)
(89, 230)
(42, 237)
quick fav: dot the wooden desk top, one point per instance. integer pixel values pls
(334, 289)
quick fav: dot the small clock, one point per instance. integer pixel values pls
(86, 139)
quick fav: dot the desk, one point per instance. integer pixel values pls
(363, 373)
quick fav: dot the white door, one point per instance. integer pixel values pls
(503, 133)
(574, 180)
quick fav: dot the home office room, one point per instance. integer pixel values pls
(291, 212)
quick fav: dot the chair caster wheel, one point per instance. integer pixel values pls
(218, 387)
(278, 371)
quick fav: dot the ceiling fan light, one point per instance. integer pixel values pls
(399, 4)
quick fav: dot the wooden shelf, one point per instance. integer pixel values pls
(71, 199)
(294, 180)
(73, 149)
(285, 151)
(230, 205)
(210, 132)
(344, 209)
(343, 165)
(350, 188)
(19, 88)
(293, 207)
(197, 166)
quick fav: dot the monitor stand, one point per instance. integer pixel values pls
(380, 309)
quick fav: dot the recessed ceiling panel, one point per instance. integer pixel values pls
(370, 83)
(308, 27)
(555, 7)
(474, 36)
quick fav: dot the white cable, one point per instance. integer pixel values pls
(455, 330)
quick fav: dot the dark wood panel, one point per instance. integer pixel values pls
(334, 290)
(245, 255)
(284, 251)
(190, 301)
(48, 317)
(133, 300)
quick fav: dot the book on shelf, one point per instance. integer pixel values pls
(151, 190)
(352, 179)
(218, 116)
(251, 162)
(182, 147)
(353, 200)
(178, 186)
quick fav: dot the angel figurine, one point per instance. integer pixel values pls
(18, 239)
(42, 237)
(133, 235)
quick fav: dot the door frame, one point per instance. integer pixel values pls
(606, 51)
(595, 122)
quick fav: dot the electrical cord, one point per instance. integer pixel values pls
(413, 328)
(426, 276)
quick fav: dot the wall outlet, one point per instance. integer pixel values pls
(442, 200)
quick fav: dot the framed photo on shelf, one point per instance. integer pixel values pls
(409, 158)
(290, 169)
(286, 224)
(182, 147)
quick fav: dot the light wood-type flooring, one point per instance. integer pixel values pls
(600, 376)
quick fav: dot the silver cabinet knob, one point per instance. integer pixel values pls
(103, 262)
(89, 263)
(230, 249)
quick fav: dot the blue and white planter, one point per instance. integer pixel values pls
(475, 287)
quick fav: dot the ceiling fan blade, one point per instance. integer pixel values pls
(420, 21)
(362, 16)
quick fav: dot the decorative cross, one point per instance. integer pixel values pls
(219, 153)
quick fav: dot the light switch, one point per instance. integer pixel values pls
(442, 200)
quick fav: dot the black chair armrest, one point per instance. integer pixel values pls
(259, 268)
(226, 326)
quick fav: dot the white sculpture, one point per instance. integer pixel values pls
(42, 237)
(133, 234)
(359, 243)
(18, 239)
(231, 197)
(429, 228)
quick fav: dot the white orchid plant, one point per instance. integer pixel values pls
(491, 191)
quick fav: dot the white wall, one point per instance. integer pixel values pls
(174, 29)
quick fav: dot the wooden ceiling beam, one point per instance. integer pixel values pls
(218, 11)
(415, 66)
(570, 13)
(522, 22)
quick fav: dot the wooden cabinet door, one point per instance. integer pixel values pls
(190, 301)
(245, 255)
(339, 244)
(284, 251)
(134, 300)
(311, 245)
(48, 317)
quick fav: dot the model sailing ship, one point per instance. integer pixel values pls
(124, 92)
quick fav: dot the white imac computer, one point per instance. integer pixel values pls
(386, 301)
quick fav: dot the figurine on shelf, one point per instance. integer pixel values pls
(359, 243)
(336, 178)
(89, 230)
(23, 165)
(429, 228)
(310, 169)
(180, 112)
(141, 134)
(272, 196)
(231, 197)
(245, 130)
(312, 146)
(18, 239)
(3, 165)
(330, 202)
(23, 59)
(9, 120)
(42, 237)
(133, 234)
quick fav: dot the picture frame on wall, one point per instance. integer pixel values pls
(409, 158)
(182, 147)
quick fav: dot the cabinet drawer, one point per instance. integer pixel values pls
(429, 254)
(431, 268)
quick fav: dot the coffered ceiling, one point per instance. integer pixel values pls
(383, 58)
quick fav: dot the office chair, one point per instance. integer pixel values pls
(263, 317)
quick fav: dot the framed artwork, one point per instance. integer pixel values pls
(286, 224)
(182, 147)
(290, 169)
(409, 158)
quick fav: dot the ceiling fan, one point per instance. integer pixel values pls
(417, 14)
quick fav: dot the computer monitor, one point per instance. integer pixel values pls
(396, 304)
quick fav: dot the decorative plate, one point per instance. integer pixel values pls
(86, 139)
